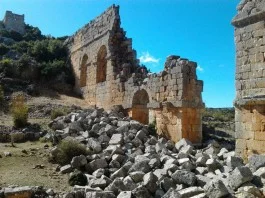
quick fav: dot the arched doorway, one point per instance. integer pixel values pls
(140, 111)
(102, 64)
(83, 71)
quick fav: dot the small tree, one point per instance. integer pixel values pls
(19, 111)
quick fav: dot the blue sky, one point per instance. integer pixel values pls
(199, 30)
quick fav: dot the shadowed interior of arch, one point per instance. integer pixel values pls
(102, 64)
(140, 111)
(83, 71)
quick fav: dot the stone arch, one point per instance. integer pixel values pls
(83, 71)
(101, 64)
(140, 112)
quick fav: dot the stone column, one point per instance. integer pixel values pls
(249, 104)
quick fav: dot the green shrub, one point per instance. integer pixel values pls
(152, 128)
(77, 178)
(66, 150)
(19, 111)
(50, 70)
(8, 67)
(1, 95)
(57, 113)
(3, 49)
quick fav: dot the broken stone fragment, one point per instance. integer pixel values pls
(256, 161)
(102, 194)
(97, 163)
(116, 139)
(125, 194)
(190, 191)
(181, 143)
(66, 169)
(239, 176)
(234, 162)
(172, 193)
(149, 181)
(140, 166)
(216, 189)
(137, 176)
(141, 192)
(184, 177)
(116, 186)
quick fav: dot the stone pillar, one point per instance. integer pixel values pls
(250, 77)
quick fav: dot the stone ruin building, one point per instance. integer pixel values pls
(13, 22)
(107, 73)
(250, 77)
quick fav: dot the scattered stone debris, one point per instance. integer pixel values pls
(126, 160)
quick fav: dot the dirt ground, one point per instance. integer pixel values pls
(28, 165)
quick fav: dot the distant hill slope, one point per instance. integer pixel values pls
(219, 124)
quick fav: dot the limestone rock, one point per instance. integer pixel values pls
(184, 177)
(239, 176)
(216, 189)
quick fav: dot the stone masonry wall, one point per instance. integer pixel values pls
(14, 22)
(250, 77)
(107, 73)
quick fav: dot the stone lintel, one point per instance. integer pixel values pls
(239, 21)
(183, 104)
(259, 100)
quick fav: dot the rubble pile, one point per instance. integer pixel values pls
(127, 160)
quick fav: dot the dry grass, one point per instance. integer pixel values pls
(19, 168)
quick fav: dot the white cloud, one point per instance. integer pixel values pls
(146, 57)
(199, 68)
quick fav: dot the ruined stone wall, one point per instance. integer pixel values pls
(250, 77)
(107, 73)
(14, 22)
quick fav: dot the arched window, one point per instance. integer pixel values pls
(83, 71)
(102, 64)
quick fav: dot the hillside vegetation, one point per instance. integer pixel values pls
(33, 57)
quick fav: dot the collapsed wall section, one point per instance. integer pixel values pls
(107, 73)
(250, 77)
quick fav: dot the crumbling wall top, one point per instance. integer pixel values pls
(249, 12)
(95, 28)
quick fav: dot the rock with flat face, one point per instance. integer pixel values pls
(137, 176)
(239, 176)
(191, 191)
(97, 163)
(149, 181)
(141, 192)
(140, 166)
(182, 143)
(184, 177)
(116, 186)
(102, 194)
(172, 193)
(66, 169)
(256, 161)
(94, 145)
(125, 194)
(216, 189)
(233, 162)
(116, 138)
